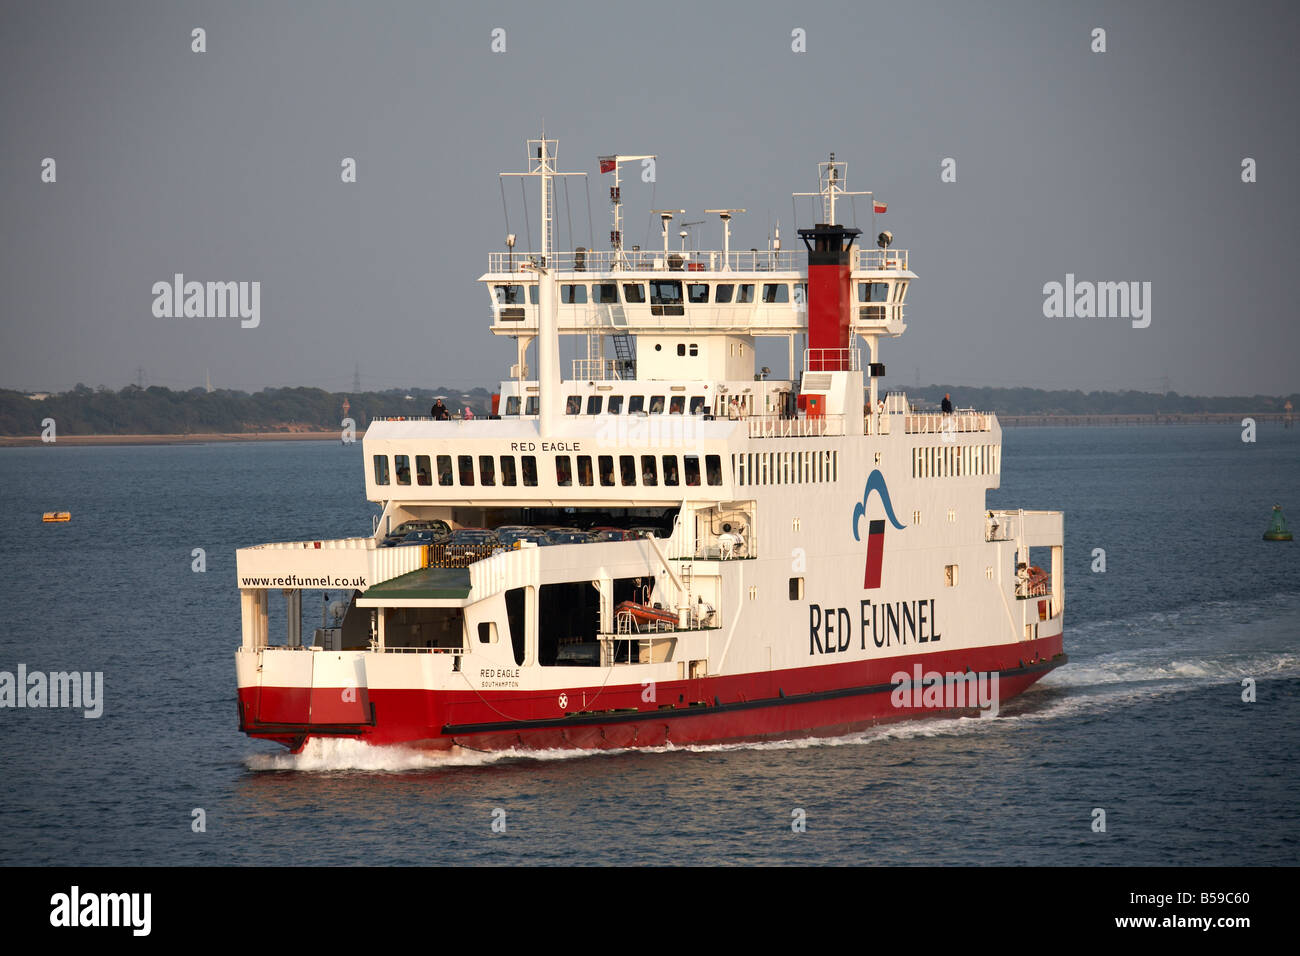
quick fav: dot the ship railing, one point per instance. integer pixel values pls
(832, 360)
(654, 260)
(1001, 526)
(938, 423)
(775, 426)
(597, 370)
(880, 259)
(1025, 590)
(388, 649)
(646, 647)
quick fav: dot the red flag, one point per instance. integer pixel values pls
(607, 164)
(878, 206)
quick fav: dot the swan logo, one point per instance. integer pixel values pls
(875, 528)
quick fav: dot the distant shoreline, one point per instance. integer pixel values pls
(17, 441)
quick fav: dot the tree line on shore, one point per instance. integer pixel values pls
(162, 411)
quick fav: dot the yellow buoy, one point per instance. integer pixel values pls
(57, 516)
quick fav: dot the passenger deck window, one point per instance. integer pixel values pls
(670, 470)
(381, 469)
(486, 470)
(402, 465)
(584, 471)
(636, 404)
(466, 463)
(615, 404)
(508, 476)
(573, 405)
(530, 471)
(563, 471)
(512, 405)
(692, 469)
(697, 405)
(657, 405)
(444, 470)
(606, 463)
(713, 469)
(723, 294)
(649, 470)
(627, 469)
(697, 292)
(423, 473)
(593, 404)
(530, 407)
(633, 293)
(676, 404)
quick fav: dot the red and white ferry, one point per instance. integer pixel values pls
(808, 554)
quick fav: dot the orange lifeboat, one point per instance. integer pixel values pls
(646, 614)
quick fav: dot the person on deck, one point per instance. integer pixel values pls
(469, 413)
(947, 404)
(439, 411)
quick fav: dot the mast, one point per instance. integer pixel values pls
(611, 164)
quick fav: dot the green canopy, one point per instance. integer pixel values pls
(424, 584)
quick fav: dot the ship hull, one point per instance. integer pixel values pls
(828, 700)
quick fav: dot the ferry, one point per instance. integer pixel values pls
(777, 555)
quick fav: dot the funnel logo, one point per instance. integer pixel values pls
(875, 528)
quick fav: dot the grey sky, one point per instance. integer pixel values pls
(225, 165)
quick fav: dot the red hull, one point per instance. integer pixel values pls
(809, 701)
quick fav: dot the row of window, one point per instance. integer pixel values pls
(671, 294)
(785, 467)
(955, 461)
(501, 470)
(634, 405)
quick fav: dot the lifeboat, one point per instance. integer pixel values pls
(646, 614)
(51, 516)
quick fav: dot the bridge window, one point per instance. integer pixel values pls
(593, 404)
(697, 292)
(697, 405)
(713, 469)
(487, 470)
(745, 293)
(649, 470)
(530, 471)
(563, 471)
(466, 464)
(776, 292)
(670, 470)
(615, 404)
(402, 465)
(633, 293)
(606, 463)
(676, 404)
(508, 294)
(532, 293)
(656, 405)
(873, 291)
(508, 476)
(512, 405)
(584, 470)
(381, 469)
(636, 404)
(723, 294)
(423, 472)
(444, 470)
(627, 469)
(530, 407)
(900, 291)
(573, 294)
(573, 405)
(666, 297)
(801, 295)
(604, 293)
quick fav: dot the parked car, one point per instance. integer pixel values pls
(646, 531)
(570, 537)
(470, 543)
(511, 538)
(397, 536)
(614, 534)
